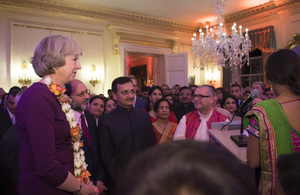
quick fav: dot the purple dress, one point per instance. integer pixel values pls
(45, 154)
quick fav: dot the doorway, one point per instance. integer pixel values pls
(141, 66)
(162, 65)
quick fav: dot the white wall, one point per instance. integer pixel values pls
(17, 43)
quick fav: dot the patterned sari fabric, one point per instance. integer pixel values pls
(166, 134)
(268, 122)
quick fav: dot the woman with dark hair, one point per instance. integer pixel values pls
(186, 168)
(170, 99)
(221, 93)
(273, 124)
(230, 103)
(96, 107)
(163, 129)
(155, 93)
(110, 104)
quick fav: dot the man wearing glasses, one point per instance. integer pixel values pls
(124, 132)
(194, 125)
(79, 94)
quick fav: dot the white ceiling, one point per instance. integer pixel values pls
(188, 11)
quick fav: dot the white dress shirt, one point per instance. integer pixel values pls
(77, 117)
(12, 116)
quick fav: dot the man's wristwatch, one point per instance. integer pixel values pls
(78, 190)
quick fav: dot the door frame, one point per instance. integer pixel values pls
(125, 48)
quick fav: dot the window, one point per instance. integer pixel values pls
(253, 72)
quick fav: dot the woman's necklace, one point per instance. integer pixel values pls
(162, 125)
(80, 167)
(297, 100)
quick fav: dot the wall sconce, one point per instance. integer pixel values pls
(94, 80)
(24, 79)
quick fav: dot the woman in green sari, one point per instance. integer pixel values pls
(274, 125)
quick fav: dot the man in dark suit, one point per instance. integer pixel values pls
(138, 102)
(7, 117)
(185, 104)
(237, 91)
(124, 132)
(78, 92)
(9, 158)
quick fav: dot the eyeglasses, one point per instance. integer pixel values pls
(83, 93)
(126, 92)
(200, 96)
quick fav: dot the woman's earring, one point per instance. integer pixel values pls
(271, 87)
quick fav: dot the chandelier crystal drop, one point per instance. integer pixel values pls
(216, 47)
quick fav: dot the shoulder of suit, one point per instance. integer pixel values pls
(4, 113)
(141, 99)
(137, 110)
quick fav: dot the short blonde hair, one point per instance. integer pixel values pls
(50, 53)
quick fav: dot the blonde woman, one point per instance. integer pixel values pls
(46, 162)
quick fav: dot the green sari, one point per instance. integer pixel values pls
(276, 137)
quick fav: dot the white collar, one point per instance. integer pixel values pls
(202, 117)
(10, 114)
(77, 116)
(135, 97)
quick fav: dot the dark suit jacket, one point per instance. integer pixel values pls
(92, 157)
(140, 103)
(123, 134)
(9, 161)
(5, 122)
(179, 110)
(243, 111)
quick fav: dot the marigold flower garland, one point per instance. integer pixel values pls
(80, 167)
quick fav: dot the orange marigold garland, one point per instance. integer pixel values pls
(80, 167)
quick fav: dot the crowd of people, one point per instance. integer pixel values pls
(65, 140)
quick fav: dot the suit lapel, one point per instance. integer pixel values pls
(91, 122)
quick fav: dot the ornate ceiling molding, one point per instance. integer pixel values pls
(97, 12)
(141, 36)
(265, 10)
(165, 31)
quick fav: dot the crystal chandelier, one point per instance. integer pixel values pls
(217, 48)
